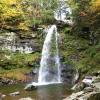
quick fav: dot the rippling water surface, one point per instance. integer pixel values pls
(48, 92)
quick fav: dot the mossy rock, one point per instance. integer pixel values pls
(95, 96)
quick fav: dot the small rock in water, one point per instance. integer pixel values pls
(28, 98)
(14, 93)
(30, 87)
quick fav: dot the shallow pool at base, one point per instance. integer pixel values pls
(48, 92)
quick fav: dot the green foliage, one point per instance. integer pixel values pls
(18, 60)
(86, 13)
(47, 16)
(10, 14)
(20, 14)
(78, 52)
(40, 11)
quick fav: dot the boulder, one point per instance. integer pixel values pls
(14, 93)
(88, 89)
(87, 80)
(97, 85)
(78, 87)
(94, 96)
(74, 96)
(84, 96)
(30, 87)
(96, 79)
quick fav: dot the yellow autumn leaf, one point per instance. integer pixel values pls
(95, 5)
(22, 26)
(9, 2)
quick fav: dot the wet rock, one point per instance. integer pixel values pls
(35, 71)
(6, 81)
(21, 43)
(68, 73)
(74, 96)
(96, 79)
(28, 98)
(78, 87)
(14, 93)
(84, 96)
(88, 89)
(94, 96)
(30, 87)
(97, 85)
(87, 80)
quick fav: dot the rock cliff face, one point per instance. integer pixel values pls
(11, 42)
(68, 74)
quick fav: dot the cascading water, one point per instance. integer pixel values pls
(49, 71)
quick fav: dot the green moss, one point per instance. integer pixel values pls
(18, 64)
(18, 60)
(17, 74)
(87, 58)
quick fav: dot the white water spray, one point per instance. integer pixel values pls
(49, 71)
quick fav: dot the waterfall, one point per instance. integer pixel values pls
(49, 71)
